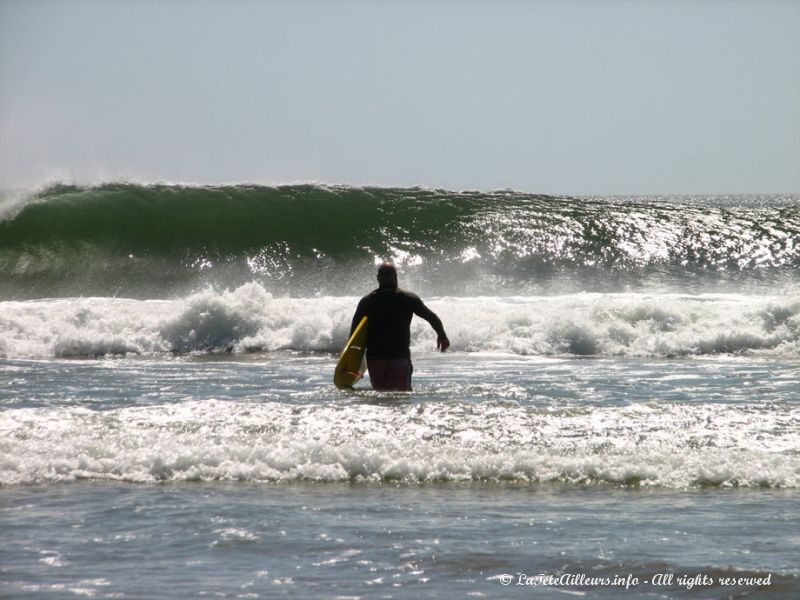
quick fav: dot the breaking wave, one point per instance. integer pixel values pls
(249, 319)
(160, 240)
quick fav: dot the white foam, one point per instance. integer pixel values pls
(250, 319)
(665, 445)
(12, 203)
(242, 320)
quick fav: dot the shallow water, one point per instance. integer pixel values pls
(251, 476)
(394, 541)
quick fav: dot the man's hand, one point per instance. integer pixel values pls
(442, 343)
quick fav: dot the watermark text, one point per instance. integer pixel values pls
(628, 581)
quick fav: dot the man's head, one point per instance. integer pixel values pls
(387, 275)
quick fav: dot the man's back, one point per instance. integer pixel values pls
(390, 311)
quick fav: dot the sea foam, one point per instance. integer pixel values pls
(661, 445)
(249, 319)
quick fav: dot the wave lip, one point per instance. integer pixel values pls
(668, 446)
(144, 239)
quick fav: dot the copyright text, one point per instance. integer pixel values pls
(629, 581)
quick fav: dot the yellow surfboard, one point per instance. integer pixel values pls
(351, 365)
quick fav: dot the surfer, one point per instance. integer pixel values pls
(390, 310)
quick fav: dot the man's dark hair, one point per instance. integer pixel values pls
(386, 268)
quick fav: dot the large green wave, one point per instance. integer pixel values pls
(144, 240)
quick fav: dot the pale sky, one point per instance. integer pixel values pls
(562, 96)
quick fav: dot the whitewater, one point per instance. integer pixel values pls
(249, 319)
(620, 401)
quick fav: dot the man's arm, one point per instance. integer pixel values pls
(426, 313)
(361, 312)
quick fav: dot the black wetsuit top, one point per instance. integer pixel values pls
(388, 330)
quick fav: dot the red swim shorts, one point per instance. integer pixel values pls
(390, 374)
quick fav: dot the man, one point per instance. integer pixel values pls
(390, 310)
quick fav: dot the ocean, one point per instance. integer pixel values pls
(617, 417)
